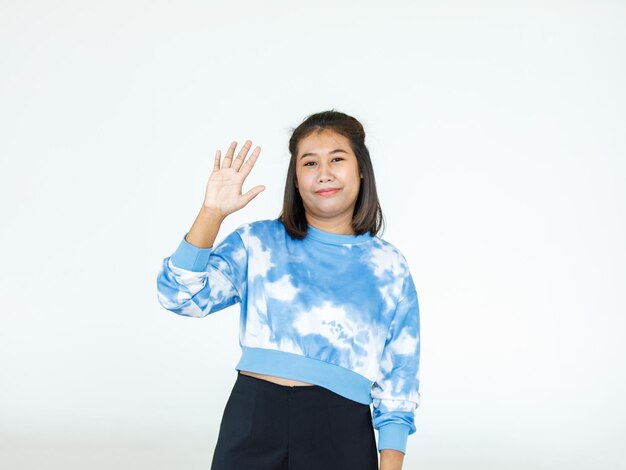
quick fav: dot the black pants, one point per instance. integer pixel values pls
(267, 426)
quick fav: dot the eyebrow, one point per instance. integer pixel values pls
(330, 153)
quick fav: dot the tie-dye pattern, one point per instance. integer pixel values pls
(347, 304)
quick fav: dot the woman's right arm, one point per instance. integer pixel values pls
(199, 278)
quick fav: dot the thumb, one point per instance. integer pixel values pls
(247, 197)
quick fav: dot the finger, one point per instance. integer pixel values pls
(242, 155)
(247, 167)
(216, 162)
(250, 195)
(229, 155)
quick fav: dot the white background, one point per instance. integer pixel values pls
(497, 133)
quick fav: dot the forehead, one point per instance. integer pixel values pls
(324, 140)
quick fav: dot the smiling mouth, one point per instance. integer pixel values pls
(327, 193)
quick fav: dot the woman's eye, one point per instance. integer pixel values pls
(336, 158)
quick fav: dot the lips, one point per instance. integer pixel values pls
(327, 191)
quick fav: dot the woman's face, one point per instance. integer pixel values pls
(325, 161)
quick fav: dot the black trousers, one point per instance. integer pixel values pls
(267, 426)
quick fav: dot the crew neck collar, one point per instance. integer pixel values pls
(337, 238)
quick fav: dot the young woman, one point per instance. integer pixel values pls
(329, 319)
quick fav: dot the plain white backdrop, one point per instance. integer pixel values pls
(498, 137)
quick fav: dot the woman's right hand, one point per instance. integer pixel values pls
(223, 191)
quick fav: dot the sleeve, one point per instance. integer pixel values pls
(395, 393)
(195, 282)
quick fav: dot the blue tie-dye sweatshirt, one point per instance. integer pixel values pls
(338, 311)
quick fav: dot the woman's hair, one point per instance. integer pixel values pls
(368, 215)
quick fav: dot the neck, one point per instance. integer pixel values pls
(340, 227)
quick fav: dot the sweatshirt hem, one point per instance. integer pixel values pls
(335, 378)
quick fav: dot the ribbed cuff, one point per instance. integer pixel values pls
(393, 436)
(190, 257)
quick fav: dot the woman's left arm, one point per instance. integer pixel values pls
(395, 393)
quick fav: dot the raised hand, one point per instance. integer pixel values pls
(223, 191)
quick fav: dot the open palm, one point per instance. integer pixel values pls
(223, 190)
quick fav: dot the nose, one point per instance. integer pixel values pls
(324, 173)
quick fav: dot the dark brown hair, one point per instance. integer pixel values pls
(368, 215)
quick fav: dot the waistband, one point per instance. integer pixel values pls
(313, 395)
(278, 387)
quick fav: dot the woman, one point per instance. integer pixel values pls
(329, 313)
